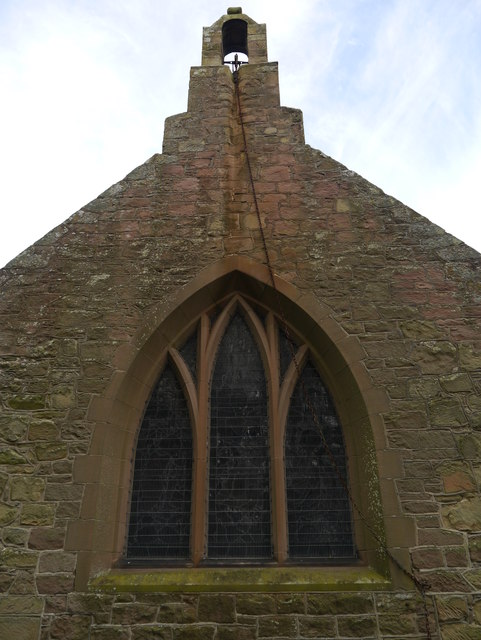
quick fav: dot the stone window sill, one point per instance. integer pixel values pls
(268, 579)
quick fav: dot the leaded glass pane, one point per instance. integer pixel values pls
(161, 491)
(239, 501)
(319, 518)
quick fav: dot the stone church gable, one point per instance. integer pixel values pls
(384, 304)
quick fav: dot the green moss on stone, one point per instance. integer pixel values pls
(268, 579)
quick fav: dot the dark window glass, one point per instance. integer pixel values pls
(189, 354)
(239, 495)
(319, 519)
(161, 492)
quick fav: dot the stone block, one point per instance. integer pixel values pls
(119, 633)
(27, 489)
(72, 627)
(17, 558)
(474, 543)
(451, 608)
(147, 632)
(26, 605)
(58, 562)
(12, 429)
(236, 632)
(216, 608)
(277, 627)
(317, 626)
(21, 627)
(435, 356)
(37, 514)
(42, 430)
(55, 584)
(194, 632)
(46, 538)
(8, 514)
(133, 613)
(339, 603)
(11, 457)
(290, 603)
(253, 604)
(356, 627)
(464, 515)
(461, 632)
(51, 451)
(446, 412)
(15, 537)
(397, 625)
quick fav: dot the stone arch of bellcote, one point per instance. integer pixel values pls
(99, 534)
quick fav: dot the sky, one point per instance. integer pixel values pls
(390, 88)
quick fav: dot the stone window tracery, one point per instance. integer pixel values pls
(229, 465)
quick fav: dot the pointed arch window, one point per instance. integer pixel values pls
(230, 465)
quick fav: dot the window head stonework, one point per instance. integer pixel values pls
(119, 413)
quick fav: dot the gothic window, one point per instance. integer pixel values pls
(240, 454)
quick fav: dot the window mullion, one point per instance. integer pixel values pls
(200, 490)
(279, 510)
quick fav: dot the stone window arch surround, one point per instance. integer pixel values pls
(98, 535)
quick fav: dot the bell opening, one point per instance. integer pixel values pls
(234, 40)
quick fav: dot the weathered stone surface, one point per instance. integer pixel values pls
(7, 514)
(446, 413)
(277, 627)
(456, 383)
(397, 625)
(15, 536)
(27, 489)
(317, 627)
(148, 632)
(37, 514)
(51, 451)
(236, 632)
(435, 356)
(465, 515)
(26, 605)
(26, 628)
(18, 558)
(46, 538)
(194, 632)
(72, 627)
(339, 603)
(133, 614)
(475, 548)
(62, 562)
(11, 457)
(290, 603)
(55, 584)
(216, 608)
(451, 608)
(456, 477)
(117, 633)
(356, 627)
(255, 604)
(42, 430)
(12, 429)
(461, 632)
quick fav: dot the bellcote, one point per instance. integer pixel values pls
(234, 32)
